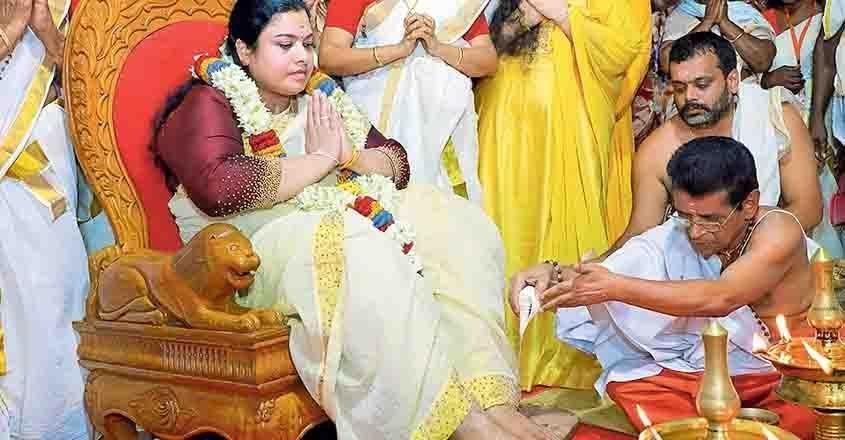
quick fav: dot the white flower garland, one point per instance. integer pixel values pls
(253, 115)
(255, 118)
(355, 122)
(321, 198)
(242, 93)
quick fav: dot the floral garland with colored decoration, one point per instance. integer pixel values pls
(374, 197)
(253, 116)
(255, 119)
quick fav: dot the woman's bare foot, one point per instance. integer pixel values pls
(519, 425)
(562, 423)
(478, 426)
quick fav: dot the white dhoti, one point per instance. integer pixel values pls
(632, 343)
(764, 133)
(43, 264)
(43, 283)
(809, 29)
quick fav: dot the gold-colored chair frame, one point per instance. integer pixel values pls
(173, 382)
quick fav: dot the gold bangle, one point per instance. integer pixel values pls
(355, 153)
(737, 37)
(460, 56)
(5, 37)
(375, 57)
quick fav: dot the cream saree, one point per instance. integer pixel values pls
(387, 352)
(421, 101)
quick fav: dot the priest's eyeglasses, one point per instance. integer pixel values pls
(687, 222)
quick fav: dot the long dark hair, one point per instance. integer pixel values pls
(522, 44)
(170, 104)
(246, 21)
(250, 17)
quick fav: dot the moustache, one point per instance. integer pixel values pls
(690, 107)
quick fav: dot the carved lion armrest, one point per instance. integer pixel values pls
(193, 288)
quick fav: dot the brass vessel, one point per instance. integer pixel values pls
(825, 314)
(717, 399)
(817, 383)
(717, 402)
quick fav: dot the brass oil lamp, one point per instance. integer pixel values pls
(717, 402)
(813, 369)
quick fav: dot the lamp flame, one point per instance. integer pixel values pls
(647, 423)
(785, 336)
(825, 363)
(768, 434)
(759, 344)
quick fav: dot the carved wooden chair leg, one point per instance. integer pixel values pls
(118, 427)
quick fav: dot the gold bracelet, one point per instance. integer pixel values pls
(355, 153)
(5, 37)
(460, 56)
(737, 37)
(375, 57)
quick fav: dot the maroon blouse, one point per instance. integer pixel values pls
(201, 146)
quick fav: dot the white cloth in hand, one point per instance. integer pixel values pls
(529, 307)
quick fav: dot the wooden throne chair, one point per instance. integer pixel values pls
(174, 380)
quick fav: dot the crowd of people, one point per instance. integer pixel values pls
(406, 168)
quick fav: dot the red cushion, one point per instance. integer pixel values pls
(154, 68)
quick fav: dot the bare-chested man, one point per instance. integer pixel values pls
(705, 82)
(648, 300)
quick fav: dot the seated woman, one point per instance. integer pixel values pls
(393, 296)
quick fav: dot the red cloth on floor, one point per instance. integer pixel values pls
(671, 395)
(589, 432)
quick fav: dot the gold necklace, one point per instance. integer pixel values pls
(730, 255)
(288, 108)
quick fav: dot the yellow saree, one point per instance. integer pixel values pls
(557, 177)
